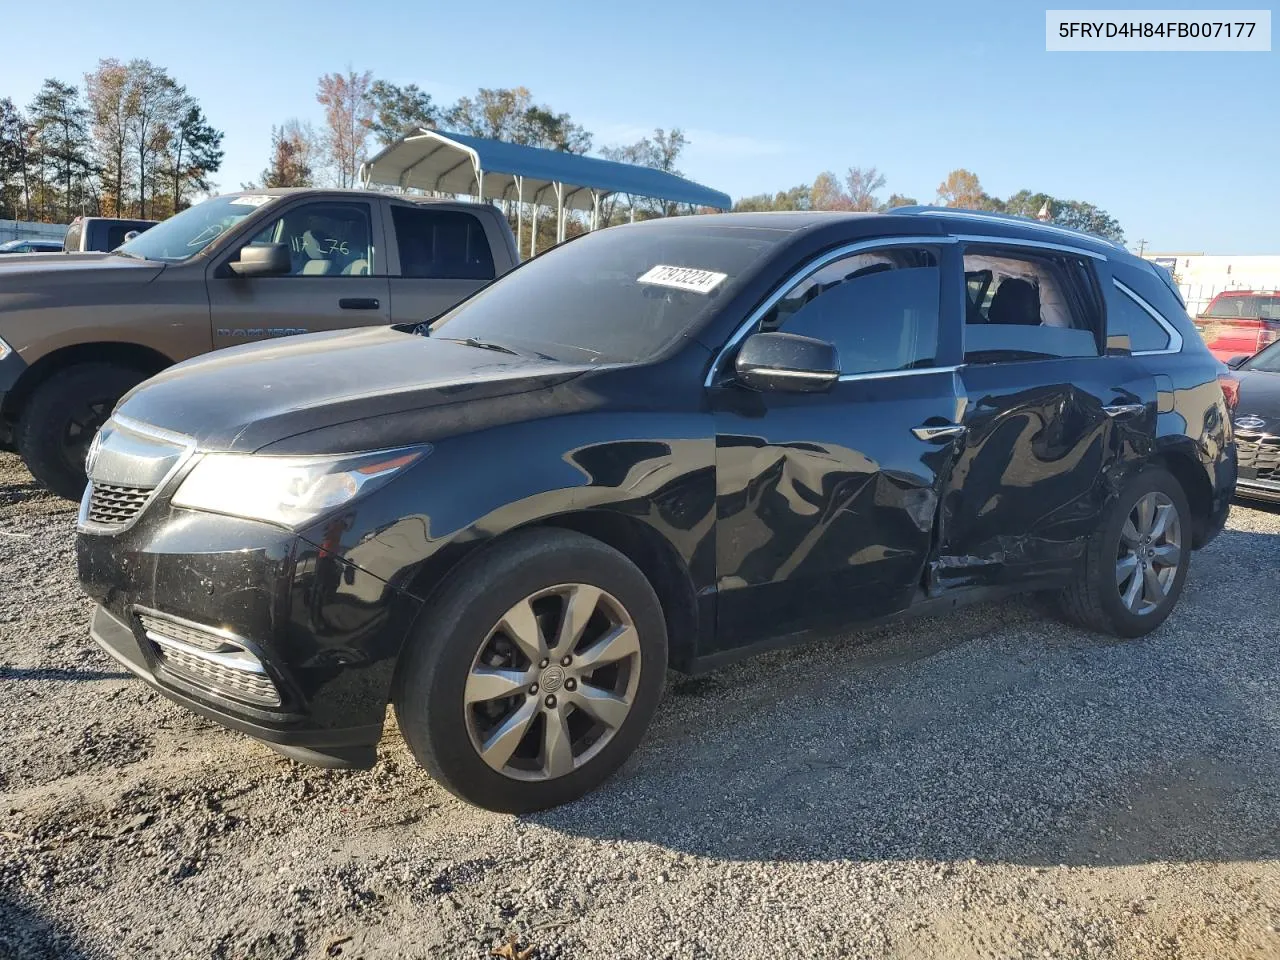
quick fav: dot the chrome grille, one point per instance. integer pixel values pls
(210, 659)
(253, 687)
(112, 506)
(1259, 456)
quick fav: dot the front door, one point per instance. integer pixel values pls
(1051, 420)
(826, 502)
(337, 278)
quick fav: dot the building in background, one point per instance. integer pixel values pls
(1200, 277)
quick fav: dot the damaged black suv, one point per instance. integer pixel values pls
(663, 444)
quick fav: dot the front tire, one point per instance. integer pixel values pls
(535, 674)
(1136, 562)
(61, 418)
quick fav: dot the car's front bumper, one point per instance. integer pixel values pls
(1252, 489)
(322, 634)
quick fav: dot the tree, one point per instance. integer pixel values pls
(900, 200)
(1085, 216)
(152, 99)
(60, 123)
(827, 193)
(195, 152)
(293, 152)
(398, 111)
(861, 186)
(509, 114)
(963, 189)
(14, 136)
(659, 152)
(348, 116)
(107, 89)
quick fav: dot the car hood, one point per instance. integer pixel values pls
(245, 398)
(1259, 400)
(20, 274)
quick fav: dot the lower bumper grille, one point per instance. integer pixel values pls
(1259, 457)
(210, 659)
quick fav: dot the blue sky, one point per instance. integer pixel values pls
(1182, 148)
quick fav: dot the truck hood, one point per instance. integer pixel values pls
(1259, 398)
(33, 272)
(245, 398)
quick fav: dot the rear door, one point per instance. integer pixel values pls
(1052, 421)
(441, 257)
(338, 277)
(826, 501)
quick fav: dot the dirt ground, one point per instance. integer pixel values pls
(991, 785)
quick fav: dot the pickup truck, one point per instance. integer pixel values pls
(87, 234)
(78, 331)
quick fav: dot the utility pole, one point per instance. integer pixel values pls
(1142, 246)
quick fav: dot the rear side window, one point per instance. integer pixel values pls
(441, 244)
(1126, 316)
(879, 308)
(116, 233)
(1022, 306)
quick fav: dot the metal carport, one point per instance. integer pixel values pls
(458, 163)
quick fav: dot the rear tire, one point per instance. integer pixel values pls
(61, 418)
(1127, 585)
(571, 711)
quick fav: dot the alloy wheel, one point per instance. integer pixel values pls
(1149, 554)
(553, 682)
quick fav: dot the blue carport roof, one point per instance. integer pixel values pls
(448, 162)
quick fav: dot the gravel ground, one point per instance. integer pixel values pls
(989, 785)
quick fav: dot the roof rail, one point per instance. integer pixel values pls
(962, 212)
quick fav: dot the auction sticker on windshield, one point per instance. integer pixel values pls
(683, 278)
(252, 200)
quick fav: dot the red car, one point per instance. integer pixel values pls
(1240, 322)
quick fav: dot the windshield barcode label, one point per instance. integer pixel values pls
(683, 278)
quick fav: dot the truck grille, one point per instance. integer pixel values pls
(1259, 456)
(112, 506)
(210, 660)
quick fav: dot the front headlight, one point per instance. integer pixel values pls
(5, 349)
(287, 491)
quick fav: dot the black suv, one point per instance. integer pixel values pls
(667, 443)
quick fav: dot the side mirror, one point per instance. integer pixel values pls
(1238, 360)
(130, 235)
(787, 362)
(262, 260)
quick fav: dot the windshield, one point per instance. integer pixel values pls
(183, 236)
(1267, 361)
(620, 295)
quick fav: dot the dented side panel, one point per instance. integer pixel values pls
(1039, 463)
(825, 502)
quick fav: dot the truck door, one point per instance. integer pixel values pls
(443, 257)
(338, 276)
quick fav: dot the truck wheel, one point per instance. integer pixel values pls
(535, 674)
(1136, 561)
(61, 418)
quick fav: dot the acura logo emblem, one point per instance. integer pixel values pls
(1250, 423)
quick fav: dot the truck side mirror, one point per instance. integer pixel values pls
(262, 260)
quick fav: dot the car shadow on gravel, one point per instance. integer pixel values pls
(995, 734)
(25, 935)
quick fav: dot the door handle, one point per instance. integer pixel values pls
(1124, 409)
(358, 303)
(945, 432)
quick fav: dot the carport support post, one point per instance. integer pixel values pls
(479, 185)
(519, 212)
(559, 212)
(533, 231)
(595, 210)
(631, 205)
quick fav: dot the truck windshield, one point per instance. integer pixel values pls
(183, 236)
(620, 295)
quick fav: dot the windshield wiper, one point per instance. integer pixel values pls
(482, 344)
